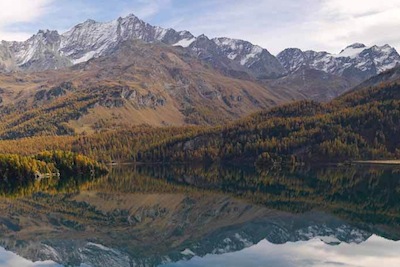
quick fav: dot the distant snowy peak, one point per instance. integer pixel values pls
(352, 50)
(385, 57)
(242, 51)
(40, 52)
(356, 60)
(292, 59)
(253, 57)
(45, 41)
(241, 55)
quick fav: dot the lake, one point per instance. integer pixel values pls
(205, 215)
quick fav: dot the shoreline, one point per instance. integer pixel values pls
(377, 162)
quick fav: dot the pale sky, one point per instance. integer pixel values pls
(322, 25)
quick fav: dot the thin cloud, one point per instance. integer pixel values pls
(343, 22)
(146, 8)
(18, 11)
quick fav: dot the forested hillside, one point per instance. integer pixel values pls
(21, 173)
(359, 125)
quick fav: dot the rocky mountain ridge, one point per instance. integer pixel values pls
(48, 50)
(356, 61)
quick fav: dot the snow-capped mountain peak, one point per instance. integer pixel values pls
(88, 22)
(242, 51)
(91, 39)
(252, 57)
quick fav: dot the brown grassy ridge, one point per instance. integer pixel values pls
(140, 83)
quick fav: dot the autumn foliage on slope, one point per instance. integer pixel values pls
(361, 125)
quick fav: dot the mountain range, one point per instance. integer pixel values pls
(90, 39)
(129, 72)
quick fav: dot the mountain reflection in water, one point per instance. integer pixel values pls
(206, 216)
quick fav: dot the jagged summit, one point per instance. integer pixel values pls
(130, 16)
(89, 21)
(46, 31)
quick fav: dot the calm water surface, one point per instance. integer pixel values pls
(205, 216)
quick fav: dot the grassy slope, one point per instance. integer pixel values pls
(140, 83)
